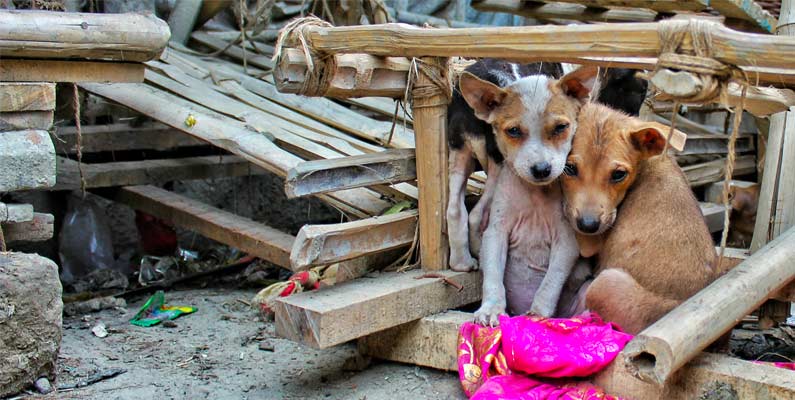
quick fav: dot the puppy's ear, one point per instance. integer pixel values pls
(649, 138)
(483, 96)
(580, 82)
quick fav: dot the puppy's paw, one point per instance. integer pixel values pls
(543, 310)
(464, 263)
(489, 313)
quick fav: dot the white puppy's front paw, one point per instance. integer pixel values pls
(543, 310)
(489, 313)
(463, 263)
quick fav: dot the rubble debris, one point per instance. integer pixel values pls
(93, 305)
(30, 320)
(99, 330)
(43, 385)
(155, 311)
(98, 376)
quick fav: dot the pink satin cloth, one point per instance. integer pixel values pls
(495, 363)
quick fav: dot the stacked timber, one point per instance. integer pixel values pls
(86, 48)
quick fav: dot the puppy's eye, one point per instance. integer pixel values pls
(570, 169)
(559, 128)
(618, 176)
(514, 132)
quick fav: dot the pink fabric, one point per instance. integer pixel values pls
(492, 361)
(785, 365)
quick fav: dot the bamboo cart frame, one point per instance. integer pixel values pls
(656, 363)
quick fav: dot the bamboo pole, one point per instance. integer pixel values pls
(114, 37)
(552, 43)
(430, 133)
(657, 352)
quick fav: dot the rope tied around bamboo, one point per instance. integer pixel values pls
(320, 67)
(438, 82)
(686, 72)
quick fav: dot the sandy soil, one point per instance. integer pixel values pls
(220, 352)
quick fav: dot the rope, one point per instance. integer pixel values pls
(320, 68)
(438, 81)
(738, 117)
(76, 104)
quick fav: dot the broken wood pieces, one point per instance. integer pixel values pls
(321, 176)
(330, 243)
(364, 306)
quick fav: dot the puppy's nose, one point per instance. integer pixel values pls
(541, 170)
(588, 224)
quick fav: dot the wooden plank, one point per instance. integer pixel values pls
(227, 134)
(576, 12)
(665, 6)
(27, 160)
(16, 212)
(233, 51)
(27, 96)
(661, 349)
(92, 36)
(428, 342)
(70, 71)
(36, 230)
(713, 171)
(554, 43)
(118, 137)
(239, 232)
(344, 312)
(700, 144)
(321, 176)
(409, 17)
(330, 243)
(745, 10)
(430, 132)
(18, 121)
(124, 173)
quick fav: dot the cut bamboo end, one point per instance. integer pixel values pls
(648, 359)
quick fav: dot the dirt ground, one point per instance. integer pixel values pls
(223, 352)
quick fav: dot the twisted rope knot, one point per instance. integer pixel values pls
(439, 82)
(685, 69)
(320, 67)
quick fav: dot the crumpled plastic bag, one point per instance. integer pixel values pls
(85, 241)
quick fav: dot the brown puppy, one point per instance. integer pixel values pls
(634, 208)
(744, 202)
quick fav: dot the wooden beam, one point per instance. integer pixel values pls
(712, 171)
(119, 137)
(344, 312)
(27, 96)
(124, 173)
(661, 349)
(239, 232)
(228, 134)
(18, 121)
(321, 176)
(701, 144)
(27, 159)
(665, 6)
(116, 37)
(745, 10)
(355, 75)
(576, 12)
(330, 243)
(70, 71)
(36, 230)
(554, 43)
(430, 132)
(428, 342)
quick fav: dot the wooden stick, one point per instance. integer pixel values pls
(70, 71)
(113, 37)
(182, 19)
(239, 232)
(713, 171)
(664, 347)
(330, 243)
(430, 131)
(321, 176)
(347, 311)
(553, 43)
